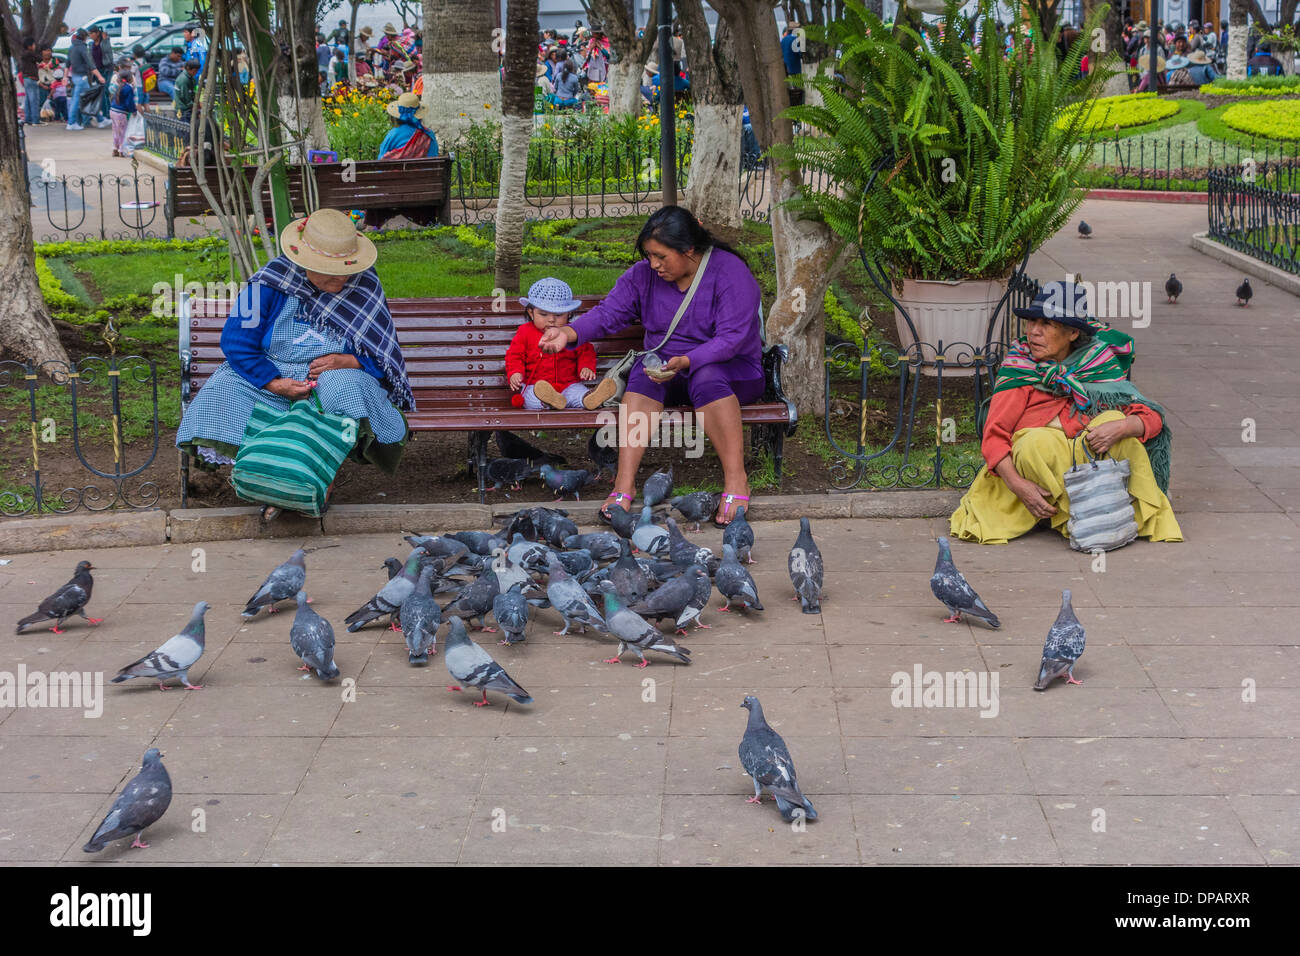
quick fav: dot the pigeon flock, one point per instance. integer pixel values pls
(622, 584)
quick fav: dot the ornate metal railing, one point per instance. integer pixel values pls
(102, 206)
(165, 135)
(1258, 213)
(84, 382)
(1168, 164)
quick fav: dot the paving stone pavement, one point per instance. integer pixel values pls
(1178, 748)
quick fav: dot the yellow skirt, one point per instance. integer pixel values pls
(991, 514)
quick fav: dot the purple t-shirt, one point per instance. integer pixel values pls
(721, 323)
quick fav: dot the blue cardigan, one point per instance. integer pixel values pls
(246, 347)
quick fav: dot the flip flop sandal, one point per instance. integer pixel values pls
(727, 502)
(618, 497)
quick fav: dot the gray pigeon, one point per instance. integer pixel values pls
(806, 570)
(174, 658)
(280, 585)
(649, 537)
(420, 619)
(621, 520)
(634, 631)
(388, 600)
(70, 599)
(566, 482)
(699, 578)
(393, 566)
(571, 601)
(1244, 292)
(630, 582)
(1173, 288)
(553, 525)
(681, 551)
(511, 611)
(509, 472)
(740, 535)
(735, 583)
(698, 506)
(479, 542)
(604, 457)
(603, 545)
(950, 587)
(475, 599)
(676, 598)
(471, 665)
(312, 639)
(527, 554)
(578, 563)
(1062, 648)
(767, 760)
(658, 487)
(141, 804)
(440, 547)
(512, 446)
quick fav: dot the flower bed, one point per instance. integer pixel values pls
(1272, 120)
(1118, 112)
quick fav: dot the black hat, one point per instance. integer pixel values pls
(1062, 302)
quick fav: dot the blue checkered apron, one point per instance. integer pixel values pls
(223, 405)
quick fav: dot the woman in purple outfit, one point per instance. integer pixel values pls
(715, 351)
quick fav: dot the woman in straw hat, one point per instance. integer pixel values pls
(313, 319)
(408, 139)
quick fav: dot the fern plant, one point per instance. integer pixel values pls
(975, 168)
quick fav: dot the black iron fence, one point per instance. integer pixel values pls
(1175, 163)
(166, 135)
(102, 206)
(1258, 213)
(87, 405)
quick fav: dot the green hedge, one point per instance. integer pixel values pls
(1131, 109)
(1271, 120)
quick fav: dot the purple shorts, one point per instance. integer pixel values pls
(701, 386)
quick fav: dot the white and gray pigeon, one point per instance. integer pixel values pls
(807, 572)
(421, 618)
(698, 506)
(471, 665)
(950, 587)
(671, 599)
(70, 599)
(602, 545)
(312, 639)
(648, 537)
(682, 552)
(740, 535)
(1062, 648)
(141, 804)
(735, 583)
(388, 600)
(630, 581)
(703, 590)
(767, 760)
(634, 631)
(475, 599)
(511, 611)
(280, 585)
(174, 658)
(571, 601)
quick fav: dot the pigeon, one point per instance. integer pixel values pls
(672, 599)
(1244, 292)
(698, 506)
(174, 658)
(141, 804)
(740, 535)
(440, 547)
(950, 587)
(312, 639)
(604, 457)
(767, 760)
(475, 599)
(602, 544)
(1085, 230)
(806, 570)
(471, 665)
(280, 585)
(511, 611)
(527, 553)
(649, 537)
(554, 526)
(658, 487)
(509, 471)
(681, 551)
(634, 631)
(479, 542)
(1173, 288)
(567, 596)
(420, 617)
(621, 520)
(630, 582)
(577, 563)
(735, 583)
(388, 600)
(70, 599)
(512, 446)
(1062, 648)
(521, 523)
(394, 567)
(566, 482)
(699, 578)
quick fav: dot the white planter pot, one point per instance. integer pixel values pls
(954, 314)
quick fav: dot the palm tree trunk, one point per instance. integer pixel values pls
(516, 131)
(300, 115)
(1237, 14)
(461, 69)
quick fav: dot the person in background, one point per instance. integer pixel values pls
(363, 51)
(567, 87)
(122, 108)
(792, 54)
(101, 51)
(596, 64)
(323, 54)
(45, 77)
(241, 67)
(1200, 69)
(59, 96)
(138, 66)
(340, 66)
(186, 87)
(1223, 34)
(340, 35)
(27, 66)
(81, 70)
(170, 68)
(196, 46)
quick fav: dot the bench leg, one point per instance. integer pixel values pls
(778, 452)
(479, 444)
(185, 480)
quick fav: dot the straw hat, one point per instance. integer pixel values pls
(1177, 62)
(390, 30)
(411, 100)
(366, 32)
(327, 241)
(1198, 57)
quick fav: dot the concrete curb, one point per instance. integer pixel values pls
(1274, 276)
(1148, 195)
(191, 525)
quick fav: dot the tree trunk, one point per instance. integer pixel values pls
(301, 116)
(629, 52)
(40, 22)
(808, 254)
(352, 42)
(1237, 11)
(26, 331)
(460, 66)
(516, 131)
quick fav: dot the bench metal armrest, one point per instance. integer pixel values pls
(774, 356)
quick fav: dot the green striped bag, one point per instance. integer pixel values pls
(288, 459)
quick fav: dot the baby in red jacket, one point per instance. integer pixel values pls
(554, 381)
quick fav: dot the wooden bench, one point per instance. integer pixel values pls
(369, 184)
(455, 352)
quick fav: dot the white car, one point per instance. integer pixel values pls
(123, 27)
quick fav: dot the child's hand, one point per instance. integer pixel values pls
(586, 374)
(516, 380)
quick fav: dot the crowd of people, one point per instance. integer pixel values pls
(393, 61)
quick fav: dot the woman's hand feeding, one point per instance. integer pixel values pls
(557, 339)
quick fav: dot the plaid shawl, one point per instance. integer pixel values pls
(359, 313)
(1093, 377)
